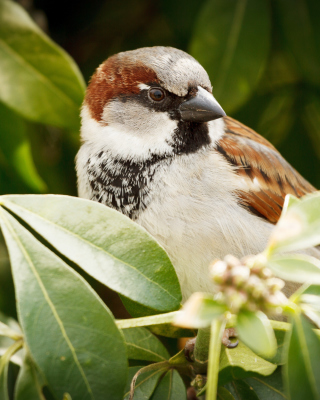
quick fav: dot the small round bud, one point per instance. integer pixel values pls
(240, 275)
(275, 284)
(218, 270)
(232, 261)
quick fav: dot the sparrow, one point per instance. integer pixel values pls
(158, 147)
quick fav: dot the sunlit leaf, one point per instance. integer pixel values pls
(255, 331)
(299, 228)
(171, 387)
(37, 78)
(199, 311)
(240, 363)
(143, 345)
(300, 25)
(106, 244)
(302, 369)
(295, 267)
(268, 387)
(16, 148)
(224, 44)
(70, 333)
(28, 385)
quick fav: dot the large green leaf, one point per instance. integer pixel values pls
(143, 345)
(296, 267)
(15, 146)
(28, 385)
(145, 383)
(171, 387)
(299, 21)
(302, 370)
(268, 387)
(299, 227)
(70, 333)
(231, 40)
(37, 78)
(106, 244)
(240, 363)
(255, 330)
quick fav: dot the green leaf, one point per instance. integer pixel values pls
(199, 311)
(70, 333)
(241, 391)
(37, 78)
(224, 394)
(289, 201)
(299, 228)
(4, 395)
(4, 365)
(145, 384)
(240, 363)
(256, 332)
(16, 148)
(171, 387)
(143, 345)
(224, 44)
(268, 387)
(28, 385)
(302, 369)
(278, 357)
(10, 338)
(295, 267)
(299, 24)
(114, 250)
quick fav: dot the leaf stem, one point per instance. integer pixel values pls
(147, 321)
(217, 327)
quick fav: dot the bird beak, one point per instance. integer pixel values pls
(201, 108)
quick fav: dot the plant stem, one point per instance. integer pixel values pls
(217, 327)
(147, 321)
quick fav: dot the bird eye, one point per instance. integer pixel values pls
(156, 94)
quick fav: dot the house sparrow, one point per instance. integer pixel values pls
(158, 147)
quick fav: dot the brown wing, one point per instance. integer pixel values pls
(267, 177)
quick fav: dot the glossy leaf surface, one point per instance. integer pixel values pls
(37, 78)
(143, 345)
(16, 149)
(302, 370)
(70, 333)
(255, 331)
(240, 363)
(106, 244)
(299, 228)
(296, 267)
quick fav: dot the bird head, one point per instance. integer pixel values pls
(150, 101)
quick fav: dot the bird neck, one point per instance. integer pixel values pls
(123, 184)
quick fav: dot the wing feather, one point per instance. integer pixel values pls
(266, 177)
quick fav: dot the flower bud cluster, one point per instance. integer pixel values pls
(247, 284)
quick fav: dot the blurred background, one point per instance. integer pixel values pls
(263, 58)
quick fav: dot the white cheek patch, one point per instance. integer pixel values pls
(142, 86)
(216, 129)
(133, 131)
